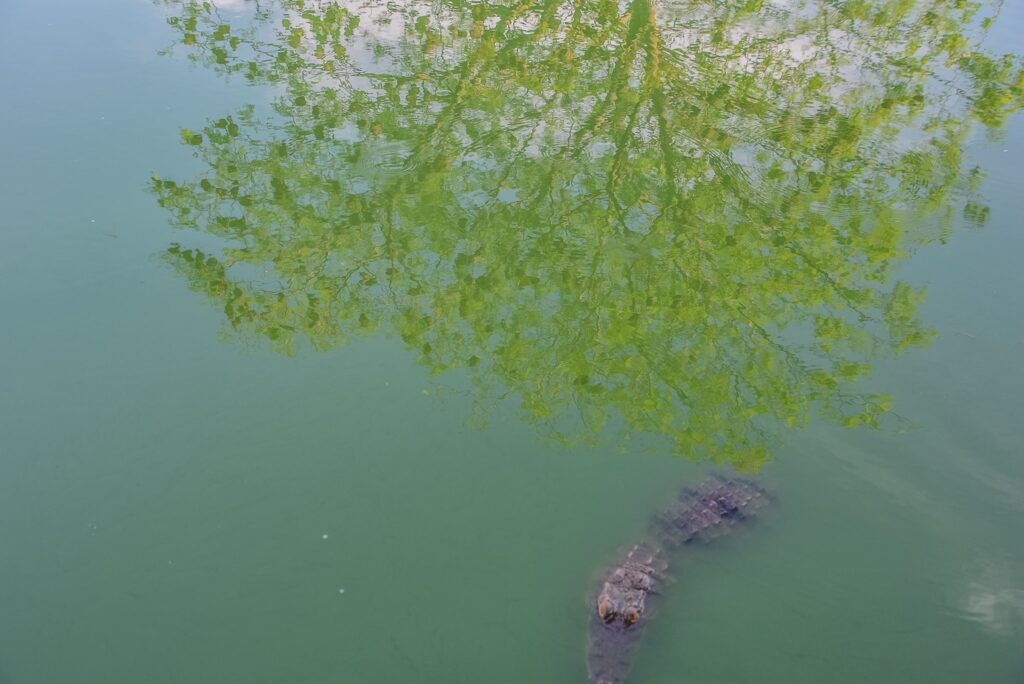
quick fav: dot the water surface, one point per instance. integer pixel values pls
(351, 351)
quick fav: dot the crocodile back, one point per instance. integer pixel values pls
(708, 510)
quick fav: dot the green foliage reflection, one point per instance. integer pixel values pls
(683, 216)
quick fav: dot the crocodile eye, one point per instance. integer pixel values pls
(632, 617)
(605, 610)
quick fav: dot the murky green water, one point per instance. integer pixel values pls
(348, 343)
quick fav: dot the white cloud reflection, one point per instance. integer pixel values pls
(995, 603)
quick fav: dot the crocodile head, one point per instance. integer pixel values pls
(619, 605)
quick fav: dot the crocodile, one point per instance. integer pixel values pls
(621, 607)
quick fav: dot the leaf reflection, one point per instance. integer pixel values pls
(682, 217)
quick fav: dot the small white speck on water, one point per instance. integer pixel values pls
(341, 591)
(92, 220)
(323, 536)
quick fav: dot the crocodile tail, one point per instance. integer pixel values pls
(709, 510)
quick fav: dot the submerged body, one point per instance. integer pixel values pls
(620, 609)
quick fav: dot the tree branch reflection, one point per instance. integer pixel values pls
(684, 217)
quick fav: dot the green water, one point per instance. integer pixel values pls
(359, 363)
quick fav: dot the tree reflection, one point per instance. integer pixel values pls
(681, 216)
